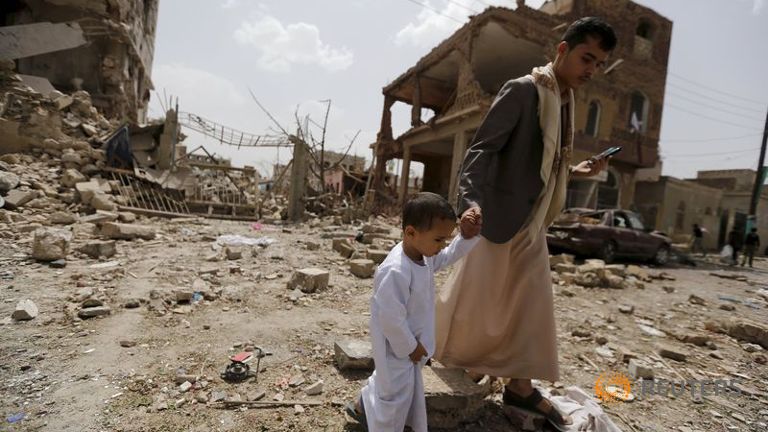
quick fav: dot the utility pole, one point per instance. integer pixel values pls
(759, 177)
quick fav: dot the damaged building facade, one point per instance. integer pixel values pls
(717, 200)
(104, 47)
(459, 78)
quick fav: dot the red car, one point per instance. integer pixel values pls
(607, 234)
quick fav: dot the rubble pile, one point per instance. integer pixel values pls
(61, 138)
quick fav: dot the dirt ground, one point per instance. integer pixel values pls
(67, 374)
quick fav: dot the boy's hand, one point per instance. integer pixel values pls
(418, 353)
(471, 222)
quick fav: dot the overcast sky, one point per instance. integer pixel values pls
(297, 53)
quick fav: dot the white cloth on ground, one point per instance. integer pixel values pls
(402, 313)
(586, 413)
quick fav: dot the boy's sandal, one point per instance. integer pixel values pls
(531, 403)
(357, 416)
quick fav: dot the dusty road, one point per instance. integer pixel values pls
(119, 372)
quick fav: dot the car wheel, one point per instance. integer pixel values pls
(662, 255)
(608, 252)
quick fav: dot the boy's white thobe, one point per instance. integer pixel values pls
(402, 313)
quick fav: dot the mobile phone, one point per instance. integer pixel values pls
(607, 153)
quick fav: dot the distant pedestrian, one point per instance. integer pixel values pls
(698, 240)
(735, 241)
(751, 243)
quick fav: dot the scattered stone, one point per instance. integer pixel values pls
(99, 248)
(315, 389)
(120, 231)
(62, 218)
(716, 355)
(651, 331)
(125, 343)
(353, 355)
(103, 202)
(71, 177)
(296, 380)
(92, 302)
(298, 409)
(201, 398)
(554, 260)
(17, 198)
(256, 395)
(185, 386)
(51, 244)
(727, 307)
(601, 340)
(25, 310)
(89, 129)
(694, 299)
(452, 398)
(639, 369)
(587, 280)
(8, 181)
(343, 246)
(309, 280)
(563, 268)
(698, 340)
(582, 333)
(639, 273)
(58, 264)
(279, 397)
(743, 330)
(312, 246)
(673, 353)
(627, 309)
(752, 348)
(233, 253)
(668, 289)
(376, 255)
(183, 296)
(126, 217)
(94, 312)
(626, 355)
(99, 217)
(218, 396)
(362, 268)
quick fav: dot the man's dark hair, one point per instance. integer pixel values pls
(421, 210)
(578, 32)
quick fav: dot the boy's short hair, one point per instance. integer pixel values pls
(421, 210)
(590, 26)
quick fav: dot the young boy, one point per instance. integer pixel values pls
(403, 313)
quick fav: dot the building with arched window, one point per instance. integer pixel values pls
(450, 89)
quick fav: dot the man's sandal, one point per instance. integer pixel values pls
(531, 403)
(359, 417)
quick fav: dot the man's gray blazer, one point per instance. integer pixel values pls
(501, 170)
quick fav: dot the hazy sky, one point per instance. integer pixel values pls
(296, 53)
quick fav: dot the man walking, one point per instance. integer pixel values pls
(495, 314)
(751, 244)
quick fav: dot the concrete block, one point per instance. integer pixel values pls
(639, 369)
(376, 255)
(362, 268)
(452, 397)
(673, 353)
(353, 355)
(17, 198)
(51, 244)
(309, 280)
(25, 310)
(120, 231)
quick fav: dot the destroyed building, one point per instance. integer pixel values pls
(103, 47)
(717, 200)
(459, 78)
